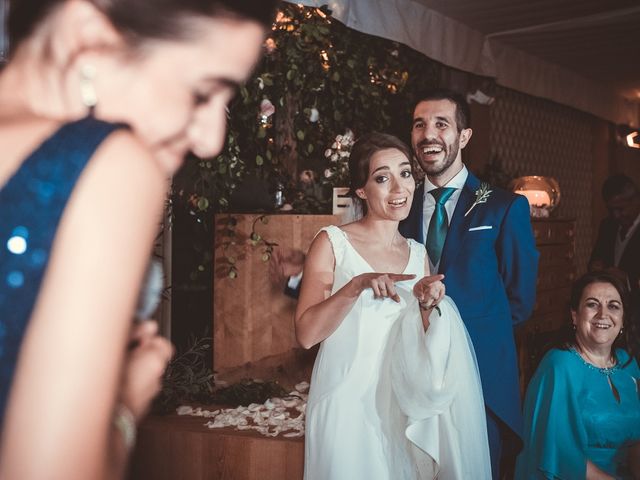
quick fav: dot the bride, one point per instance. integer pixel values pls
(395, 391)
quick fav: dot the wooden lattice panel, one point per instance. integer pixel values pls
(253, 319)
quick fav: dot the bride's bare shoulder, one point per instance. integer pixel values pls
(353, 229)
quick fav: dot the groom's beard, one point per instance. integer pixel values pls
(436, 169)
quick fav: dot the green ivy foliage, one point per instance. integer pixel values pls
(322, 78)
(188, 378)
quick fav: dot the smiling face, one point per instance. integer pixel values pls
(599, 316)
(389, 189)
(175, 94)
(435, 138)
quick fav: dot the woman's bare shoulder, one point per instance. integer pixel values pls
(354, 230)
(19, 136)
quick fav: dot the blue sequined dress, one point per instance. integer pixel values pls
(31, 204)
(572, 415)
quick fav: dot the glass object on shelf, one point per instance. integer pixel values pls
(543, 193)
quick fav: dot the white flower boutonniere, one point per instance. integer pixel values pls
(482, 195)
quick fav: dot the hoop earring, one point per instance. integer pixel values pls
(87, 90)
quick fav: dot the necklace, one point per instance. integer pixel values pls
(610, 363)
(606, 371)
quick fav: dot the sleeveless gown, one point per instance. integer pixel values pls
(385, 402)
(32, 202)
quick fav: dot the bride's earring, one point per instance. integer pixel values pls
(87, 90)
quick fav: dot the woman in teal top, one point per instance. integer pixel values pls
(582, 408)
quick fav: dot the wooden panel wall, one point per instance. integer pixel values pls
(182, 448)
(253, 319)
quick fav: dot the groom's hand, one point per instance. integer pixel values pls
(429, 291)
(382, 284)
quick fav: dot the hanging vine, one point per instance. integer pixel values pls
(317, 79)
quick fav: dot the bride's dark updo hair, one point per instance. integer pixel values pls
(362, 151)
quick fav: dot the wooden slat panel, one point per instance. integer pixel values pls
(549, 232)
(552, 300)
(253, 319)
(552, 277)
(182, 448)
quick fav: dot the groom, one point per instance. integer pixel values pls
(480, 238)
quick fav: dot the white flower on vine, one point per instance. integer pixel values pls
(335, 157)
(328, 173)
(348, 137)
(335, 145)
(314, 115)
(266, 108)
(343, 153)
(260, 83)
(328, 152)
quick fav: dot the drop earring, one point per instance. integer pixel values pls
(87, 90)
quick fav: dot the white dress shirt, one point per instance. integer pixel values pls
(429, 204)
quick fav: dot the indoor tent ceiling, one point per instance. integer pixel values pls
(597, 39)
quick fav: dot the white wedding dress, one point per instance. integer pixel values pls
(387, 401)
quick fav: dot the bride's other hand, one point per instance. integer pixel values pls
(382, 284)
(429, 290)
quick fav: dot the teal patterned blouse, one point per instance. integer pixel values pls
(572, 414)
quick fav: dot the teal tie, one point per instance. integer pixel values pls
(439, 224)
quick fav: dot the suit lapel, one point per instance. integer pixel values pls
(630, 250)
(459, 223)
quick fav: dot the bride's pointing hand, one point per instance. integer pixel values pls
(382, 284)
(429, 290)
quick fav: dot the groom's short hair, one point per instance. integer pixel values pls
(463, 114)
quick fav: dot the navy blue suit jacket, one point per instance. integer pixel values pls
(490, 273)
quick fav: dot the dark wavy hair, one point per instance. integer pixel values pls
(566, 338)
(360, 158)
(139, 20)
(463, 112)
(618, 184)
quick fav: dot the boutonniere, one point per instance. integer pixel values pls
(482, 195)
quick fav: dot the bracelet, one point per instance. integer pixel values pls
(125, 422)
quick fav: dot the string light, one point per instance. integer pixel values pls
(325, 60)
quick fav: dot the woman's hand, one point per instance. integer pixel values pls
(382, 284)
(144, 367)
(285, 263)
(429, 291)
